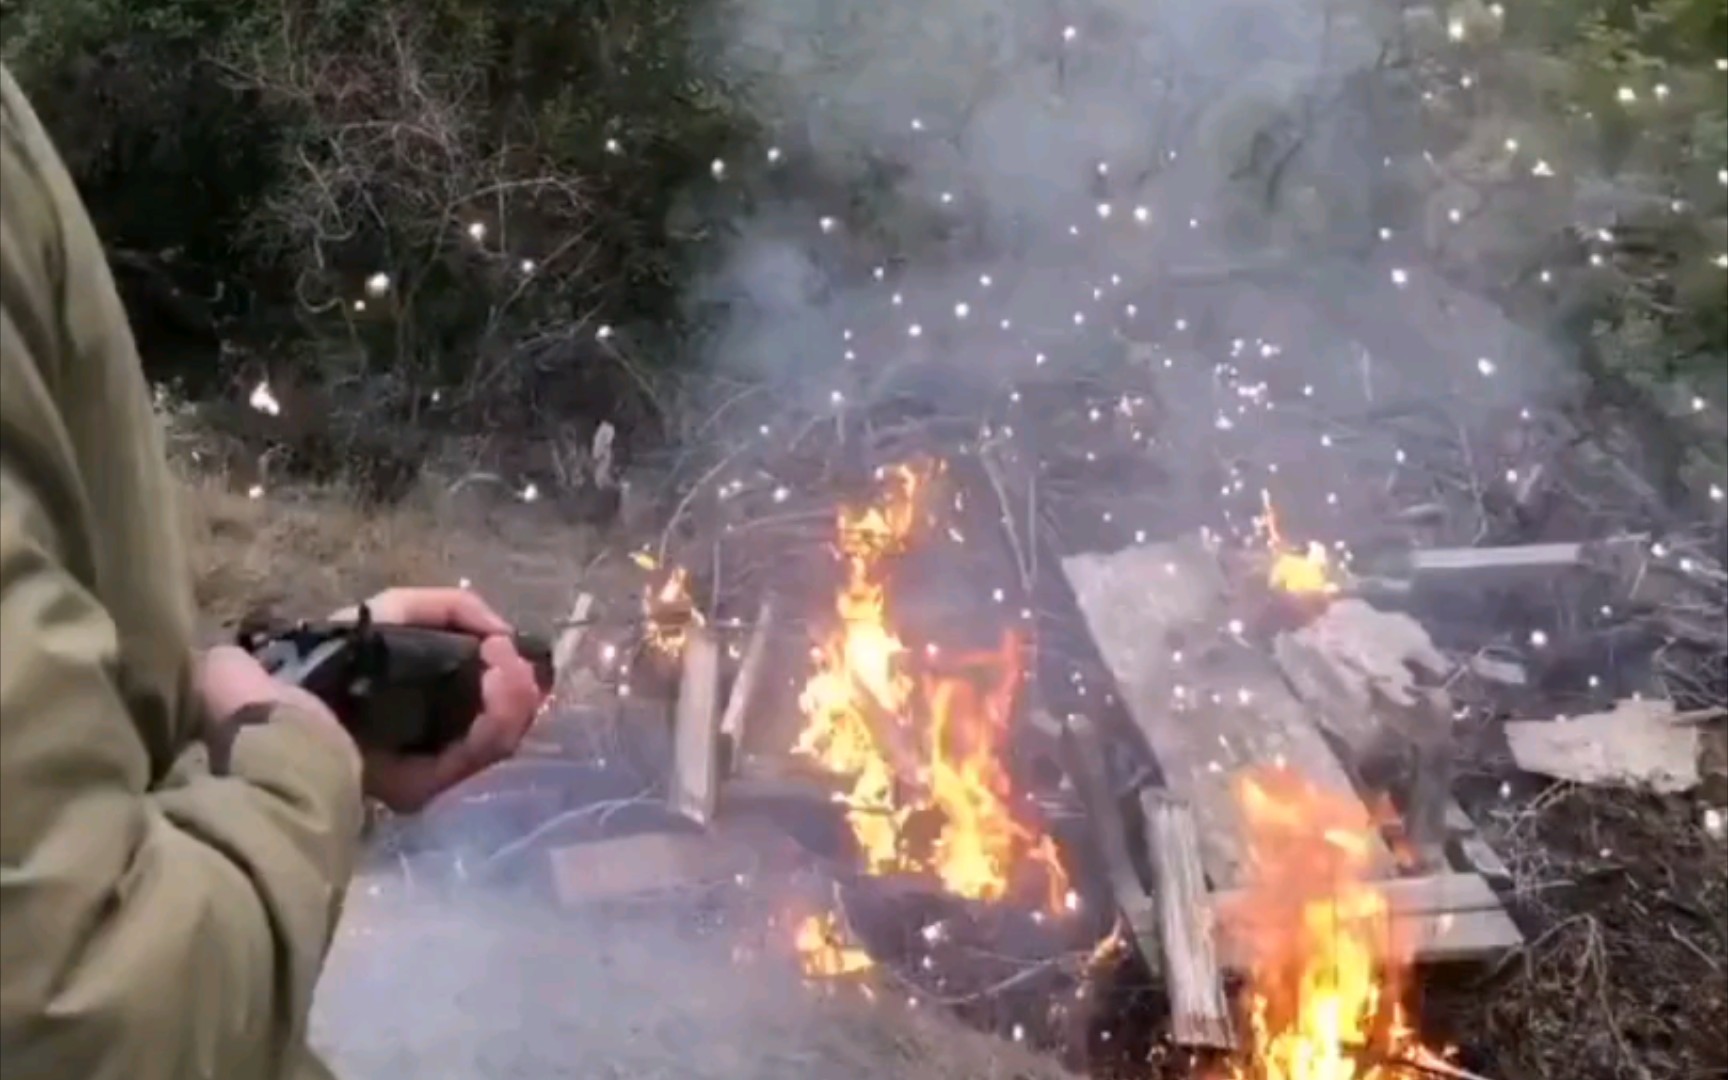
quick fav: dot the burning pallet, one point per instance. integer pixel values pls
(1235, 699)
(1213, 707)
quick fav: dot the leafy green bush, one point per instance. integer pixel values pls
(1599, 131)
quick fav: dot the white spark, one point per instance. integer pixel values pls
(773, 155)
(530, 493)
(613, 146)
(1455, 29)
(1542, 168)
(604, 333)
(826, 224)
(1069, 33)
(962, 309)
(264, 401)
(1626, 95)
(914, 330)
(378, 284)
(717, 168)
(1485, 366)
(477, 231)
(1143, 215)
(1538, 639)
(256, 491)
(1400, 277)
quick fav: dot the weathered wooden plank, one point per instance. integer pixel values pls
(1637, 743)
(1208, 708)
(1199, 1013)
(1085, 766)
(569, 641)
(1476, 853)
(695, 750)
(744, 697)
(1441, 918)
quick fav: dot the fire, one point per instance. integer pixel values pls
(1308, 572)
(1326, 964)
(668, 610)
(922, 751)
(822, 948)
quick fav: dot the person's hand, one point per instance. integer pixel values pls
(228, 678)
(510, 696)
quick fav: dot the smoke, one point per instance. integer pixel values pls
(1232, 193)
(497, 988)
(487, 987)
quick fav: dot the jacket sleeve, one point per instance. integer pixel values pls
(147, 935)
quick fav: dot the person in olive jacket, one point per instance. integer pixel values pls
(165, 906)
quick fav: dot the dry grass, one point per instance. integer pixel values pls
(1625, 976)
(303, 554)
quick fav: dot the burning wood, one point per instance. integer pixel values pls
(1327, 963)
(823, 950)
(668, 610)
(1308, 573)
(920, 740)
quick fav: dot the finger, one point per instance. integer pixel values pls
(512, 703)
(459, 609)
(406, 784)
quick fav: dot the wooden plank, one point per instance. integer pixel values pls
(1443, 918)
(743, 697)
(1469, 846)
(1085, 766)
(695, 751)
(627, 866)
(569, 643)
(1639, 743)
(1209, 709)
(1199, 1013)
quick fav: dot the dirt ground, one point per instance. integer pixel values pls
(1624, 898)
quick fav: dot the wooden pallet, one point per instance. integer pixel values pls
(1209, 709)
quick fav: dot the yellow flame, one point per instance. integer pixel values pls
(668, 610)
(1325, 964)
(1308, 572)
(822, 949)
(931, 746)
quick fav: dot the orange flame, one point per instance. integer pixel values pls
(668, 610)
(823, 951)
(1326, 964)
(930, 746)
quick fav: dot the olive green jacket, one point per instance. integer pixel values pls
(156, 922)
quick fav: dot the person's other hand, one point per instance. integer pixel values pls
(510, 696)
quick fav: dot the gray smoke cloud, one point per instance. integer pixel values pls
(1234, 192)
